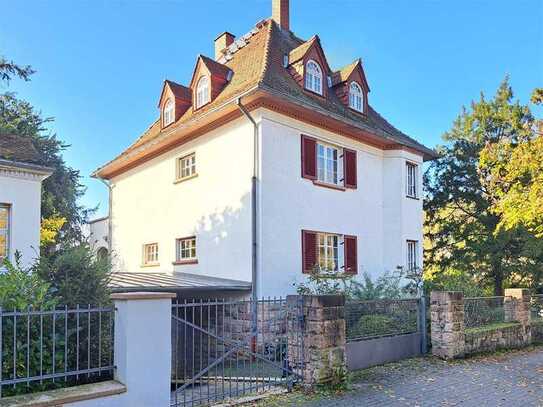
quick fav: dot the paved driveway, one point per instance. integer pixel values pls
(514, 379)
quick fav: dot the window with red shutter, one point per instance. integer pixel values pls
(349, 160)
(309, 251)
(309, 157)
(351, 261)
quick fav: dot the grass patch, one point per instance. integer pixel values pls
(491, 327)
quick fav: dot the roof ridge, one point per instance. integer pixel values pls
(266, 63)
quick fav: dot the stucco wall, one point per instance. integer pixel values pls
(215, 206)
(377, 212)
(23, 194)
(98, 233)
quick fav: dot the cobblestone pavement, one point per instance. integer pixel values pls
(512, 379)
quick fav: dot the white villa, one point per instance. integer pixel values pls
(267, 165)
(20, 200)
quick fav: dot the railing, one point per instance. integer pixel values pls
(537, 308)
(41, 350)
(378, 318)
(483, 311)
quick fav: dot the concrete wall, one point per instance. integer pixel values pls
(22, 191)
(148, 206)
(377, 212)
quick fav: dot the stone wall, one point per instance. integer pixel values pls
(450, 339)
(537, 331)
(321, 358)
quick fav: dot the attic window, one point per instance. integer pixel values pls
(167, 114)
(313, 77)
(356, 97)
(202, 92)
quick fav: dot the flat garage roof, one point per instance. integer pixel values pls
(173, 281)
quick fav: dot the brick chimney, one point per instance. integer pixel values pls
(280, 13)
(221, 42)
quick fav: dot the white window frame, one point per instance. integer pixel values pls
(411, 179)
(186, 167)
(412, 261)
(167, 114)
(150, 254)
(203, 96)
(313, 77)
(6, 232)
(184, 246)
(330, 168)
(330, 252)
(356, 97)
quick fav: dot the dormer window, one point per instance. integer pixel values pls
(356, 97)
(167, 114)
(202, 92)
(313, 77)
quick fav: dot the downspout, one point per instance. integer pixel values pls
(109, 220)
(254, 210)
(254, 213)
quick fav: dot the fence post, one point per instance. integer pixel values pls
(517, 303)
(447, 310)
(142, 346)
(321, 325)
(423, 329)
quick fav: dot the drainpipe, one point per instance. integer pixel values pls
(109, 220)
(254, 243)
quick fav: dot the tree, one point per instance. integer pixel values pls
(462, 228)
(513, 170)
(21, 125)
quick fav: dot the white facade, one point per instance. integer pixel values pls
(98, 235)
(215, 205)
(20, 193)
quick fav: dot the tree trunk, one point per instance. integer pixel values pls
(498, 284)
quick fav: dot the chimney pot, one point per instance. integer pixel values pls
(221, 42)
(280, 13)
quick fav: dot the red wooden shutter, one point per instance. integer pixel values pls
(309, 157)
(349, 168)
(309, 251)
(351, 265)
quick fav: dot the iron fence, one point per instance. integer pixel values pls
(378, 318)
(537, 308)
(42, 350)
(483, 311)
(227, 348)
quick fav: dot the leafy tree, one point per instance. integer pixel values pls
(76, 275)
(513, 170)
(462, 228)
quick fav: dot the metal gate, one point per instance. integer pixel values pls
(227, 349)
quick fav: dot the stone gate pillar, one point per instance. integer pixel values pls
(517, 309)
(316, 336)
(447, 311)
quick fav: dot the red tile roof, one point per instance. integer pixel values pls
(256, 63)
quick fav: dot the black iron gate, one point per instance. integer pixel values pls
(228, 349)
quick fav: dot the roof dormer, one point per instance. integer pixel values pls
(174, 100)
(351, 86)
(309, 67)
(208, 80)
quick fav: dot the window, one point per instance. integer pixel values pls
(202, 92)
(150, 254)
(411, 183)
(167, 115)
(356, 97)
(412, 249)
(4, 232)
(186, 249)
(329, 164)
(313, 77)
(328, 252)
(186, 166)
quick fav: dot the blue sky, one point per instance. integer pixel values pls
(100, 64)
